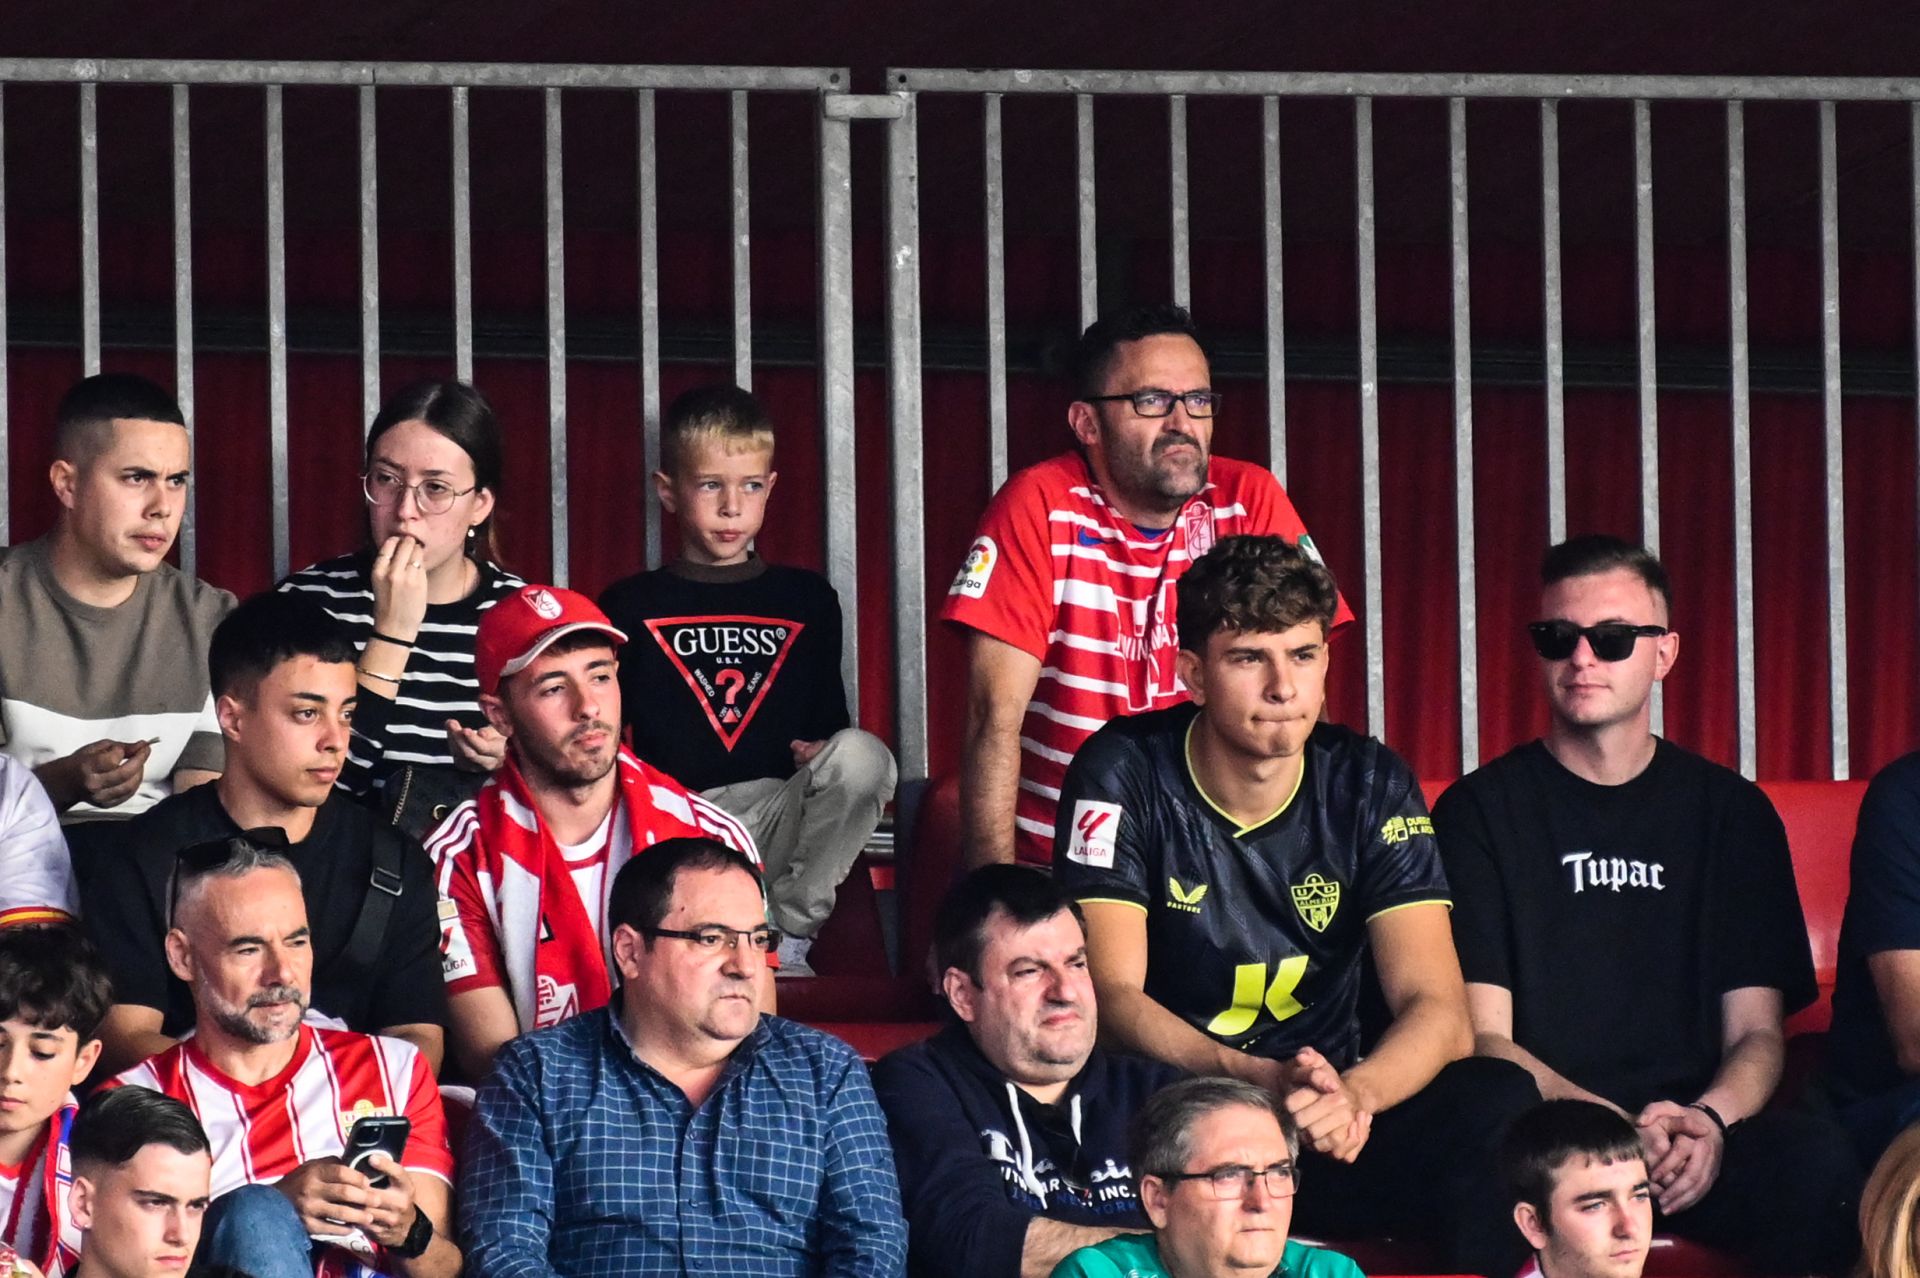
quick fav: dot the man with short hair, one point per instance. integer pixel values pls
(677, 1130)
(1219, 1165)
(141, 1175)
(1630, 930)
(1010, 1127)
(1067, 593)
(1238, 860)
(1581, 1196)
(283, 672)
(525, 865)
(279, 1095)
(102, 689)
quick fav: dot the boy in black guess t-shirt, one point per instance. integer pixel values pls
(1630, 931)
(731, 682)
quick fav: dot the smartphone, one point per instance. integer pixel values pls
(376, 1134)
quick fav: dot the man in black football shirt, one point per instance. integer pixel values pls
(1631, 933)
(1237, 859)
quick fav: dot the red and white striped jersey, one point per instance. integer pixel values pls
(261, 1132)
(1056, 572)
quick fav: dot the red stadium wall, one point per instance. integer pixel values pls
(1416, 480)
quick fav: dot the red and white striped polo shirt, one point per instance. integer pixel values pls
(1057, 573)
(263, 1131)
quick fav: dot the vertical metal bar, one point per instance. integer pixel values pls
(277, 481)
(742, 246)
(1275, 290)
(648, 200)
(1649, 366)
(903, 413)
(6, 469)
(183, 308)
(996, 219)
(836, 388)
(1551, 306)
(1913, 169)
(1083, 172)
(1836, 476)
(463, 240)
(1463, 439)
(1742, 441)
(369, 260)
(89, 229)
(556, 339)
(1369, 417)
(1177, 197)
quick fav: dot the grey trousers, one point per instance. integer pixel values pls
(810, 827)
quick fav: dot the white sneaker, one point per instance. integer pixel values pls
(793, 956)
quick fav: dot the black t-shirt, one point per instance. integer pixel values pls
(1883, 913)
(726, 667)
(123, 895)
(1619, 915)
(1256, 935)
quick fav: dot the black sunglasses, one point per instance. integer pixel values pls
(204, 858)
(1610, 640)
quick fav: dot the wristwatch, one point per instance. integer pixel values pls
(418, 1238)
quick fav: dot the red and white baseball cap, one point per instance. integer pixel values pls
(526, 623)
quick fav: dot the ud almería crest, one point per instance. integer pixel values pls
(1316, 898)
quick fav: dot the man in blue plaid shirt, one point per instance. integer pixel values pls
(677, 1130)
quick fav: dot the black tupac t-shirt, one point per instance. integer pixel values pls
(1619, 915)
(1255, 936)
(725, 667)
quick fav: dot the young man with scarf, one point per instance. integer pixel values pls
(526, 865)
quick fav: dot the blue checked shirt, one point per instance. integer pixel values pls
(584, 1162)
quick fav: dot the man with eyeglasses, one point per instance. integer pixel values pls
(1631, 934)
(677, 1130)
(103, 682)
(1217, 1163)
(1067, 594)
(525, 866)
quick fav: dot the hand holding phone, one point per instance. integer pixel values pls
(376, 1134)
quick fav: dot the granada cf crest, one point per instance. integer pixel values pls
(1316, 899)
(728, 663)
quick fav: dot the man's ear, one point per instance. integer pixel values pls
(961, 993)
(65, 478)
(627, 946)
(495, 708)
(84, 1060)
(179, 956)
(80, 1201)
(1532, 1228)
(663, 489)
(1192, 672)
(228, 710)
(1666, 651)
(1153, 1199)
(1084, 421)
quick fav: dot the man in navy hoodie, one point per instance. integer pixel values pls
(1009, 1128)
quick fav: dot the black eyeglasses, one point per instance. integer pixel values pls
(1154, 402)
(711, 938)
(1236, 1180)
(1610, 640)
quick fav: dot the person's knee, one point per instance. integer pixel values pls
(856, 760)
(255, 1228)
(259, 1208)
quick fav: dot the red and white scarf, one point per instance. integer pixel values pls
(534, 893)
(39, 1226)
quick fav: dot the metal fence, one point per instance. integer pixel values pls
(1086, 87)
(461, 82)
(896, 108)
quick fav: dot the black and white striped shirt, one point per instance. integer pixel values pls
(438, 684)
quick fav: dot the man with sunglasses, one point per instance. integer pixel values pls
(1067, 593)
(1217, 1160)
(676, 1130)
(1630, 931)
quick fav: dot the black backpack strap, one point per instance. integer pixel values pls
(362, 954)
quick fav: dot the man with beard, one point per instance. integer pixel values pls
(525, 866)
(278, 1095)
(1010, 1127)
(1067, 592)
(282, 673)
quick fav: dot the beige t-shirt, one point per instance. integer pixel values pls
(72, 673)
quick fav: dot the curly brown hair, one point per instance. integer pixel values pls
(1253, 585)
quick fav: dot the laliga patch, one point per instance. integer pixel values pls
(977, 571)
(1096, 827)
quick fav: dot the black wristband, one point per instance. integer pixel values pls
(398, 643)
(418, 1238)
(1711, 1113)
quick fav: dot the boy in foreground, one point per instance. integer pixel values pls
(1582, 1197)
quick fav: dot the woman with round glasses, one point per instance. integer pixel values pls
(414, 594)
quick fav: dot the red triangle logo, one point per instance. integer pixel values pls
(728, 662)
